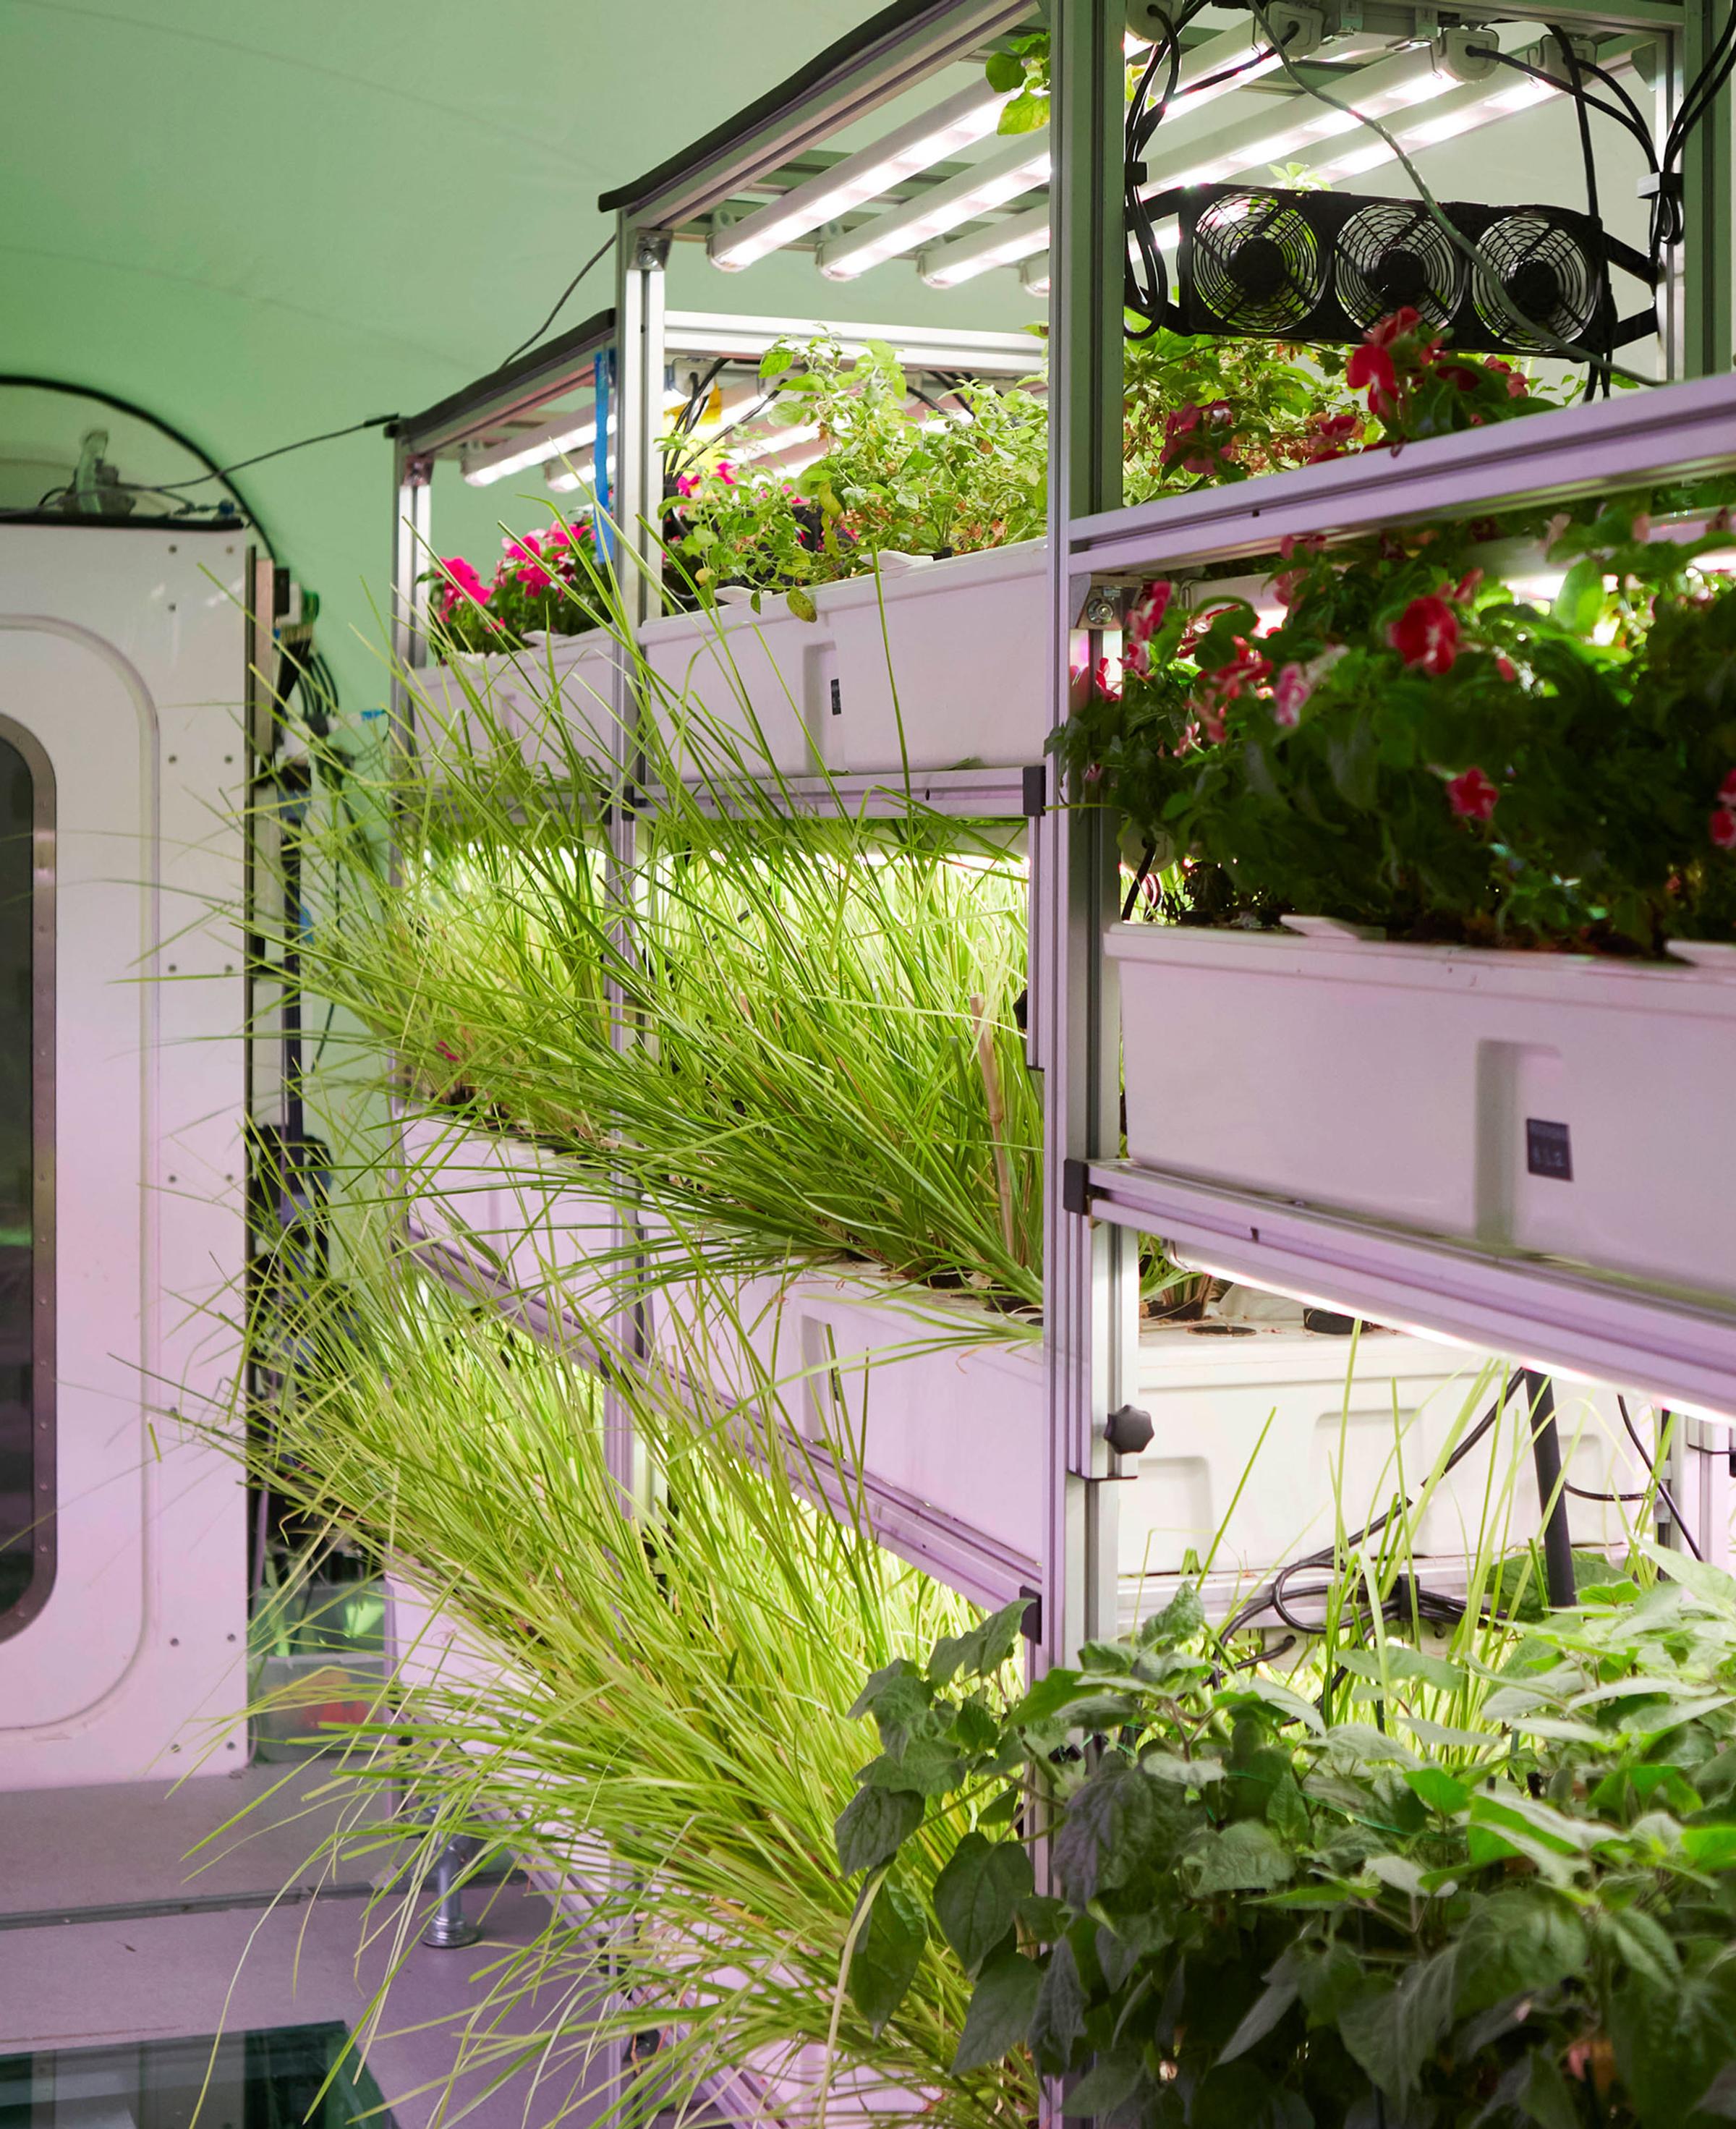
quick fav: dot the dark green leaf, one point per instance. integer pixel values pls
(1545, 2095)
(1059, 2018)
(1516, 1941)
(1001, 2007)
(1643, 1944)
(1286, 1813)
(1179, 1621)
(1282, 1988)
(1579, 603)
(887, 1953)
(976, 1896)
(1243, 1858)
(1109, 1825)
(975, 1728)
(1393, 2031)
(1109, 2081)
(1051, 1694)
(872, 1824)
(926, 1765)
(1044, 1918)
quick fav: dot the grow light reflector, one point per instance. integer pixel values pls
(1021, 165)
(968, 116)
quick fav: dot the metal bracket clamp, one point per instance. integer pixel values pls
(650, 249)
(1102, 607)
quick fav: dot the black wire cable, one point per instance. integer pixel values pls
(1597, 375)
(1634, 124)
(524, 345)
(260, 458)
(1663, 1493)
(1275, 1597)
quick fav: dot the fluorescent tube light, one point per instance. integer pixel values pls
(1460, 111)
(917, 347)
(968, 116)
(1018, 166)
(563, 479)
(774, 442)
(502, 460)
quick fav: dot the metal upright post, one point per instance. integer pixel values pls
(1087, 1269)
(1706, 265)
(639, 309)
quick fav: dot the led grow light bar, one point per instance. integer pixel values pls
(917, 347)
(1020, 166)
(1392, 86)
(967, 117)
(500, 461)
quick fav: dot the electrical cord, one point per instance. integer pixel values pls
(1596, 374)
(1633, 123)
(1549, 342)
(566, 293)
(1662, 1491)
(1277, 1595)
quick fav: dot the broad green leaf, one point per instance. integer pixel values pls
(1051, 1696)
(1393, 2031)
(1042, 1916)
(1059, 2020)
(1711, 1585)
(1513, 1941)
(976, 1896)
(1027, 113)
(1286, 1813)
(926, 1765)
(1001, 2008)
(774, 362)
(1397, 1661)
(1179, 1621)
(1437, 1788)
(1243, 1858)
(1641, 1945)
(873, 1824)
(1110, 1824)
(887, 1953)
(1004, 72)
(1179, 1772)
(1399, 1873)
(1579, 604)
(1710, 1847)
(801, 603)
(1105, 2086)
(1282, 1988)
(1545, 2095)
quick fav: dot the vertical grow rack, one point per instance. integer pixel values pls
(1680, 1346)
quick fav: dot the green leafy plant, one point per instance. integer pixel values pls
(1263, 1907)
(1413, 746)
(953, 482)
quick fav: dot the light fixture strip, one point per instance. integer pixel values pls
(1018, 166)
(503, 460)
(970, 116)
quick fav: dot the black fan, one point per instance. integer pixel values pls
(1548, 276)
(1255, 263)
(1388, 256)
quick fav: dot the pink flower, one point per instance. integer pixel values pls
(1293, 689)
(686, 483)
(1144, 620)
(1727, 790)
(1182, 422)
(555, 538)
(725, 473)
(1387, 330)
(1722, 828)
(528, 555)
(1301, 543)
(1473, 796)
(1426, 634)
(1466, 587)
(462, 582)
(1516, 386)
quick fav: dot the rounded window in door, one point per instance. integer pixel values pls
(26, 1178)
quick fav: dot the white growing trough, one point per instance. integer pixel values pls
(1556, 1105)
(570, 681)
(951, 653)
(932, 1412)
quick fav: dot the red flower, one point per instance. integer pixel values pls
(1426, 634)
(1466, 587)
(1517, 387)
(1246, 669)
(1370, 370)
(1472, 795)
(1391, 327)
(1456, 373)
(1727, 790)
(1143, 621)
(1293, 691)
(1723, 828)
(1301, 543)
(1182, 422)
(1504, 665)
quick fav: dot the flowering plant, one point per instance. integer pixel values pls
(953, 483)
(1199, 411)
(1417, 387)
(547, 581)
(1414, 745)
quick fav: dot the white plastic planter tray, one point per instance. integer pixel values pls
(502, 1204)
(965, 639)
(1552, 1103)
(555, 681)
(1340, 1444)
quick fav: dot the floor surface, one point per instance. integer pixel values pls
(108, 1933)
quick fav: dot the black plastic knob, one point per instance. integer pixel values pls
(1128, 1432)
